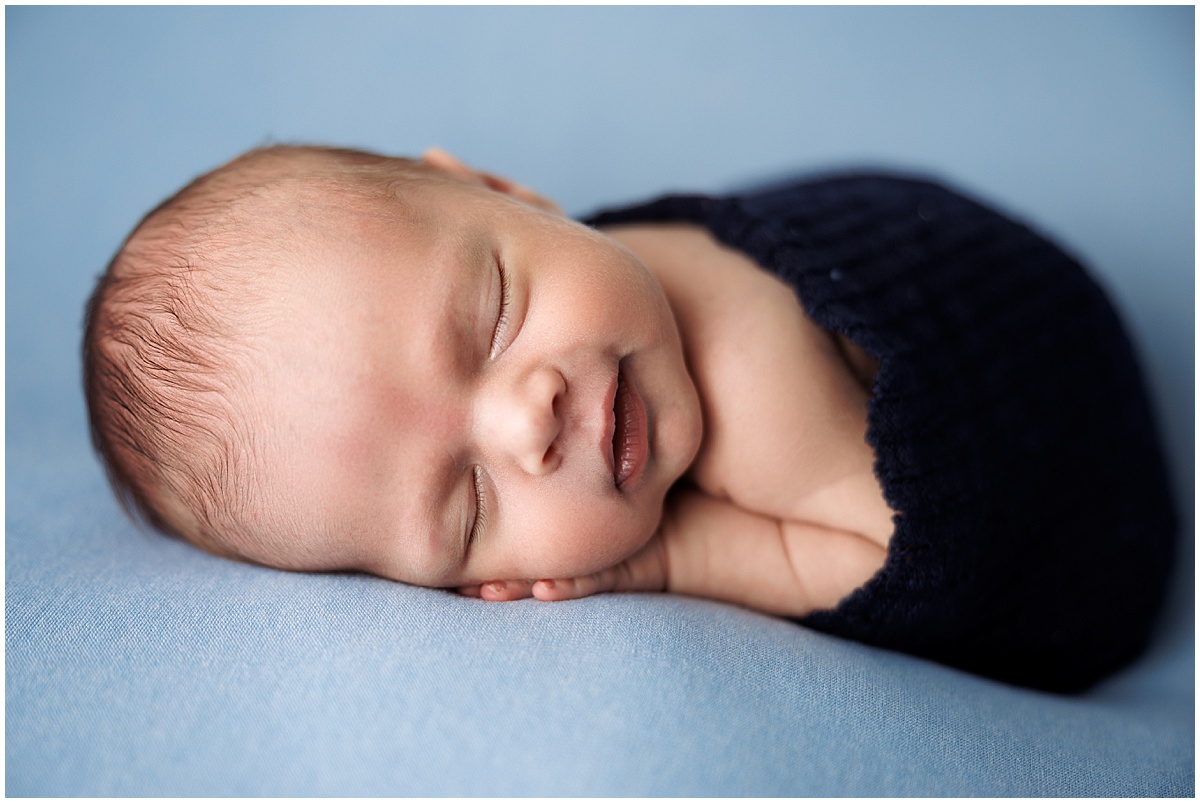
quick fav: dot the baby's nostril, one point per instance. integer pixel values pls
(550, 461)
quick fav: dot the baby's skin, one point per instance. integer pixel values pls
(471, 391)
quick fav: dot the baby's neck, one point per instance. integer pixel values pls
(685, 260)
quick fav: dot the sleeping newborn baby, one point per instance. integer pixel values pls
(863, 402)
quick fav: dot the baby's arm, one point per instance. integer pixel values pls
(720, 550)
(708, 547)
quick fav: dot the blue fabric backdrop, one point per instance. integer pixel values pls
(135, 665)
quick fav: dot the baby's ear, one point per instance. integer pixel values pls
(442, 160)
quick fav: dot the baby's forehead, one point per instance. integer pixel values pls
(374, 281)
(357, 301)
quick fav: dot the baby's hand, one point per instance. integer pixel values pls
(644, 571)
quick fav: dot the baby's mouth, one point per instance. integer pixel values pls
(629, 442)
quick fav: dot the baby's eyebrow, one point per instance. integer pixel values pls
(450, 496)
(414, 480)
(428, 537)
(467, 278)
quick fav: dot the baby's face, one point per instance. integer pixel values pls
(462, 388)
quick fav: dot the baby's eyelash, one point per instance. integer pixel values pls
(502, 318)
(480, 509)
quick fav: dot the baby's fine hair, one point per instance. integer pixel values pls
(168, 345)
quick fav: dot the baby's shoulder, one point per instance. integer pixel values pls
(785, 403)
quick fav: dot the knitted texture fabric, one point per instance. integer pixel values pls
(1034, 529)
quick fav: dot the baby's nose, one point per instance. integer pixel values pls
(524, 420)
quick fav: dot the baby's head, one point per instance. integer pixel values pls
(321, 359)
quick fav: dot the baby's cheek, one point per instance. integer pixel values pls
(583, 544)
(606, 541)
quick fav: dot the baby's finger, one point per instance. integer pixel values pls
(506, 590)
(574, 587)
(469, 591)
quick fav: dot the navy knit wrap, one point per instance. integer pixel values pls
(1012, 434)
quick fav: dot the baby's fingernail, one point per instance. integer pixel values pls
(548, 584)
(498, 585)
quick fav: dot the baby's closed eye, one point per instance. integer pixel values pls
(502, 314)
